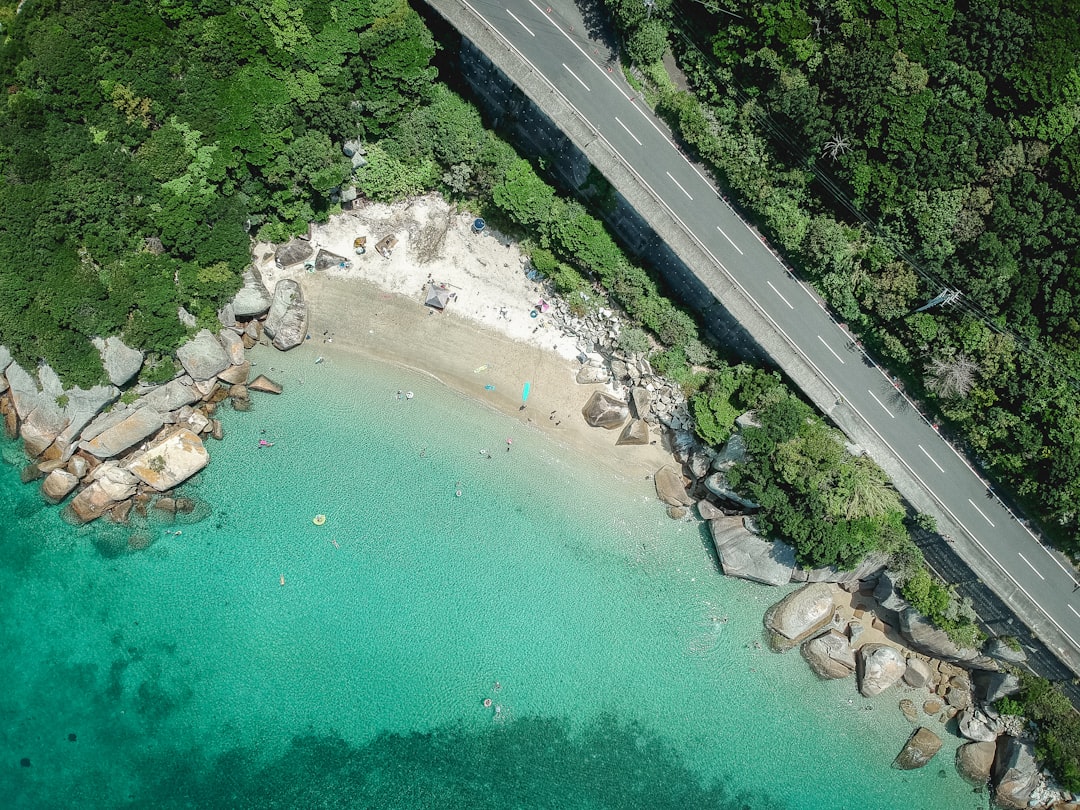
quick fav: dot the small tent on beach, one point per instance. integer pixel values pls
(437, 296)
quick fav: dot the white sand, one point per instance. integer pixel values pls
(485, 337)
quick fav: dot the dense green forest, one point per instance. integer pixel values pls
(142, 140)
(898, 149)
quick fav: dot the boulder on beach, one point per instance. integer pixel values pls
(604, 410)
(830, 655)
(670, 488)
(879, 667)
(707, 510)
(974, 761)
(169, 463)
(745, 555)
(588, 375)
(1014, 774)
(294, 252)
(641, 399)
(921, 747)
(635, 432)
(918, 673)
(236, 374)
(264, 385)
(286, 323)
(1006, 650)
(799, 615)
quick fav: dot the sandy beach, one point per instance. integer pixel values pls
(485, 345)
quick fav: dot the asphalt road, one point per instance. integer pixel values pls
(553, 42)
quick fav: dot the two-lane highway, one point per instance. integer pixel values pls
(1014, 563)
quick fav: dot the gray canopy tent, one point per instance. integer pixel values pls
(437, 296)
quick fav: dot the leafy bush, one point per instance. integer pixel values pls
(633, 340)
(1058, 740)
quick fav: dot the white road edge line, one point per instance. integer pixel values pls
(577, 77)
(930, 457)
(519, 22)
(683, 190)
(1070, 607)
(834, 354)
(780, 294)
(1032, 567)
(628, 132)
(981, 512)
(764, 313)
(890, 413)
(729, 239)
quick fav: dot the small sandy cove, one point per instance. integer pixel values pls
(486, 336)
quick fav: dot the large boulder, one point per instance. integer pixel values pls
(990, 687)
(111, 485)
(887, 595)
(169, 463)
(670, 488)
(919, 750)
(172, 395)
(83, 406)
(121, 362)
(830, 655)
(977, 726)
(604, 410)
(23, 389)
(745, 555)
(918, 673)
(924, 637)
(635, 432)
(871, 564)
(286, 323)
(265, 385)
(253, 299)
(717, 484)
(1006, 650)
(202, 357)
(136, 426)
(641, 399)
(588, 375)
(733, 452)
(1014, 774)
(879, 667)
(58, 485)
(236, 374)
(707, 510)
(799, 615)
(974, 761)
(294, 252)
(233, 346)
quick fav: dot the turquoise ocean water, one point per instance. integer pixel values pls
(186, 675)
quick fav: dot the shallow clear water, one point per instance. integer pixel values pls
(628, 675)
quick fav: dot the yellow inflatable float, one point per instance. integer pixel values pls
(319, 520)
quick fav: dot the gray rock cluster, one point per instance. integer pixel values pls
(110, 454)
